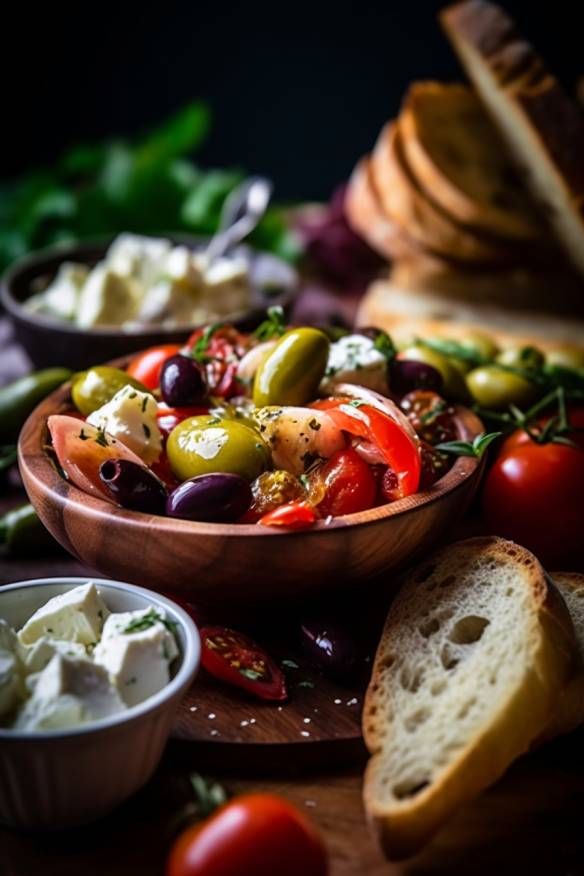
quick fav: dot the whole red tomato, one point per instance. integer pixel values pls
(534, 495)
(253, 835)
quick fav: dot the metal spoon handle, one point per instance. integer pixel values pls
(242, 211)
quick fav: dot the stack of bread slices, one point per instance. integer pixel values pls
(475, 194)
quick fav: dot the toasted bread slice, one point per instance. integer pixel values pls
(569, 711)
(366, 217)
(457, 154)
(476, 648)
(543, 128)
(408, 206)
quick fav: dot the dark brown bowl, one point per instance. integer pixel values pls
(51, 342)
(230, 564)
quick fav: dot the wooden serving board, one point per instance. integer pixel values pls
(320, 723)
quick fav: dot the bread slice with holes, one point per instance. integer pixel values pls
(569, 710)
(475, 650)
(457, 154)
(541, 125)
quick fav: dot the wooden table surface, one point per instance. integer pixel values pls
(531, 822)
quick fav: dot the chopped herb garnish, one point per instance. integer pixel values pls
(133, 394)
(83, 436)
(306, 683)
(357, 403)
(144, 403)
(314, 424)
(384, 345)
(101, 438)
(131, 680)
(199, 350)
(139, 624)
(147, 432)
(303, 478)
(251, 674)
(213, 421)
(431, 415)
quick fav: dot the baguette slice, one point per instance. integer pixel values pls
(366, 217)
(408, 206)
(457, 154)
(475, 650)
(569, 711)
(543, 128)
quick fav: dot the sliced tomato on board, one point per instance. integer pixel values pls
(80, 450)
(236, 659)
(349, 484)
(397, 447)
(146, 366)
(291, 515)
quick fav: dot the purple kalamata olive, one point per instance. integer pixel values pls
(182, 382)
(330, 646)
(405, 375)
(213, 498)
(133, 486)
(370, 331)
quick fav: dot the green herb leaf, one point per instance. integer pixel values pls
(454, 349)
(290, 664)
(272, 327)
(209, 795)
(150, 619)
(475, 448)
(384, 345)
(251, 674)
(199, 350)
(431, 415)
(306, 683)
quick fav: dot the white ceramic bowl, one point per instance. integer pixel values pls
(66, 777)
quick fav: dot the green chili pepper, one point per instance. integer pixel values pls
(23, 534)
(18, 399)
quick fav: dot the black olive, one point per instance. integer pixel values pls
(182, 382)
(133, 486)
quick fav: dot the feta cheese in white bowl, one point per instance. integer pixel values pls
(74, 742)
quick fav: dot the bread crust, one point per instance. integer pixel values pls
(543, 128)
(407, 205)
(404, 826)
(508, 212)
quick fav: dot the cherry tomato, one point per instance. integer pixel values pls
(236, 659)
(292, 515)
(533, 494)
(168, 418)
(430, 416)
(397, 447)
(349, 483)
(81, 449)
(146, 366)
(434, 465)
(252, 835)
(389, 486)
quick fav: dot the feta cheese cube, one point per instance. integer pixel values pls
(130, 416)
(76, 616)
(61, 297)
(136, 257)
(69, 692)
(107, 298)
(354, 359)
(38, 655)
(137, 649)
(8, 638)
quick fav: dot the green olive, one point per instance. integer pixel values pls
(496, 388)
(566, 356)
(207, 444)
(93, 388)
(481, 344)
(521, 357)
(452, 378)
(291, 372)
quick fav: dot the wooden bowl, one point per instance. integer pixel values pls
(225, 564)
(52, 342)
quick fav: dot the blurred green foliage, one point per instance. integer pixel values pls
(149, 186)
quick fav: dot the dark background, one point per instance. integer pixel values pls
(298, 90)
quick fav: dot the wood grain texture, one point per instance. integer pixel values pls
(219, 564)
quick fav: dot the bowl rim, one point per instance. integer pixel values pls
(189, 666)
(36, 466)
(64, 252)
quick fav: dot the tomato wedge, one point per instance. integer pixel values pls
(236, 659)
(146, 366)
(349, 484)
(293, 515)
(81, 449)
(397, 447)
